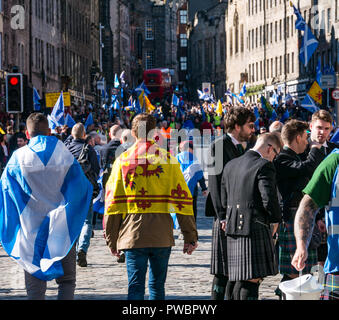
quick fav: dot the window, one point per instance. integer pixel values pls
(271, 32)
(280, 31)
(260, 35)
(292, 26)
(149, 30)
(183, 16)
(249, 72)
(288, 27)
(256, 37)
(336, 9)
(272, 68)
(292, 62)
(260, 70)
(268, 68)
(276, 66)
(280, 66)
(183, 40)
(149, 59)
(183, 63)
(276, 31)
(256, 71)
(288, 64)
(231, 41)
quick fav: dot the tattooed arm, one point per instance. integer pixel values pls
(303, 227)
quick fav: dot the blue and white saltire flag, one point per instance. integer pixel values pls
(89, 120)
(36, 100)
(309, 104)
(243, 91)
(308, 45)
(288, 98)
(201, 95)
(238, 99)
(300, 22)
(116, 81)
(175, 100)
(142, 87)
(122, 78)
(44, 201)
(52, 124)
(69, 121)
(58, 111)
(99, 201)
(192, 172)
(116, 105)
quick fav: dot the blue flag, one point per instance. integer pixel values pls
(69, 121)
(175, 100)
(36, 100)
(300, 22)
(41, 214)
(243, 90)
(89, 120)
(308, 45)
(309, 104)
(142, 87)
(51, 123)
(116, 81)
(58, 111)
(335, 137)
(274, 115)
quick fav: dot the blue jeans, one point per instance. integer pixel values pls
(136, 263)
(86, 232)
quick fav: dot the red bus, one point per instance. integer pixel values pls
(158, 82)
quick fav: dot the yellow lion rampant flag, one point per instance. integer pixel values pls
(149, 105)
(316, 92)
(147, 179)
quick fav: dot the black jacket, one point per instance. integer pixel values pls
(75, 147)
(215, 168)
(293, 175)
(249, 193)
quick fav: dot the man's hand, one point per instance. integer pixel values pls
(300, 257)
(116, 253)
(322, 226)
(223, 225)
(189, 247)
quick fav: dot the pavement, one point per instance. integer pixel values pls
(104, 278)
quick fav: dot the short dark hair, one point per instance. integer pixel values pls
(237, 116)
(291, 129)
(323, 115)
(37, 124)
(142, 124)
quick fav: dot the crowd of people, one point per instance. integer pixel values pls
(265, 171)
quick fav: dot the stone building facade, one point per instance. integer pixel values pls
(263, 45)
(207, 50)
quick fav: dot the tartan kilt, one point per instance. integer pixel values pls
(218, 252)
(287, 247)
(253, 256)
(331, 287)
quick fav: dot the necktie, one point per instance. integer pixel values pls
(240, 148)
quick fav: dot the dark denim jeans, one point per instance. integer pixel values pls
(136, 263)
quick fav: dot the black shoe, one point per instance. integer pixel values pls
(122, 258)
(82, 262)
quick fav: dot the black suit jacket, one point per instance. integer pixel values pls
(229, 152)
(293, 174)
(249, 193)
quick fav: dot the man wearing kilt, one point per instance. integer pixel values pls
(239, 125)
(250, 204)
(322, 191)
(293, 175)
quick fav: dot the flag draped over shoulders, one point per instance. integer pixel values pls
(190, 168)
(147, 179)
(44, 201)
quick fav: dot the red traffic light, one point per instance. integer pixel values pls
(14, 81)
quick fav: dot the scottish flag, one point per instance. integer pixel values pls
(51, 123)
(116, 81)
(44, 201)
(89, 120)
(175, 100)
(142, 87)
(99, 201)
(58, 111)
(69, 121)
(285, 116)
(36, 100)
(308, 45)
(243, 91)
(300, 22)
(309, 104)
